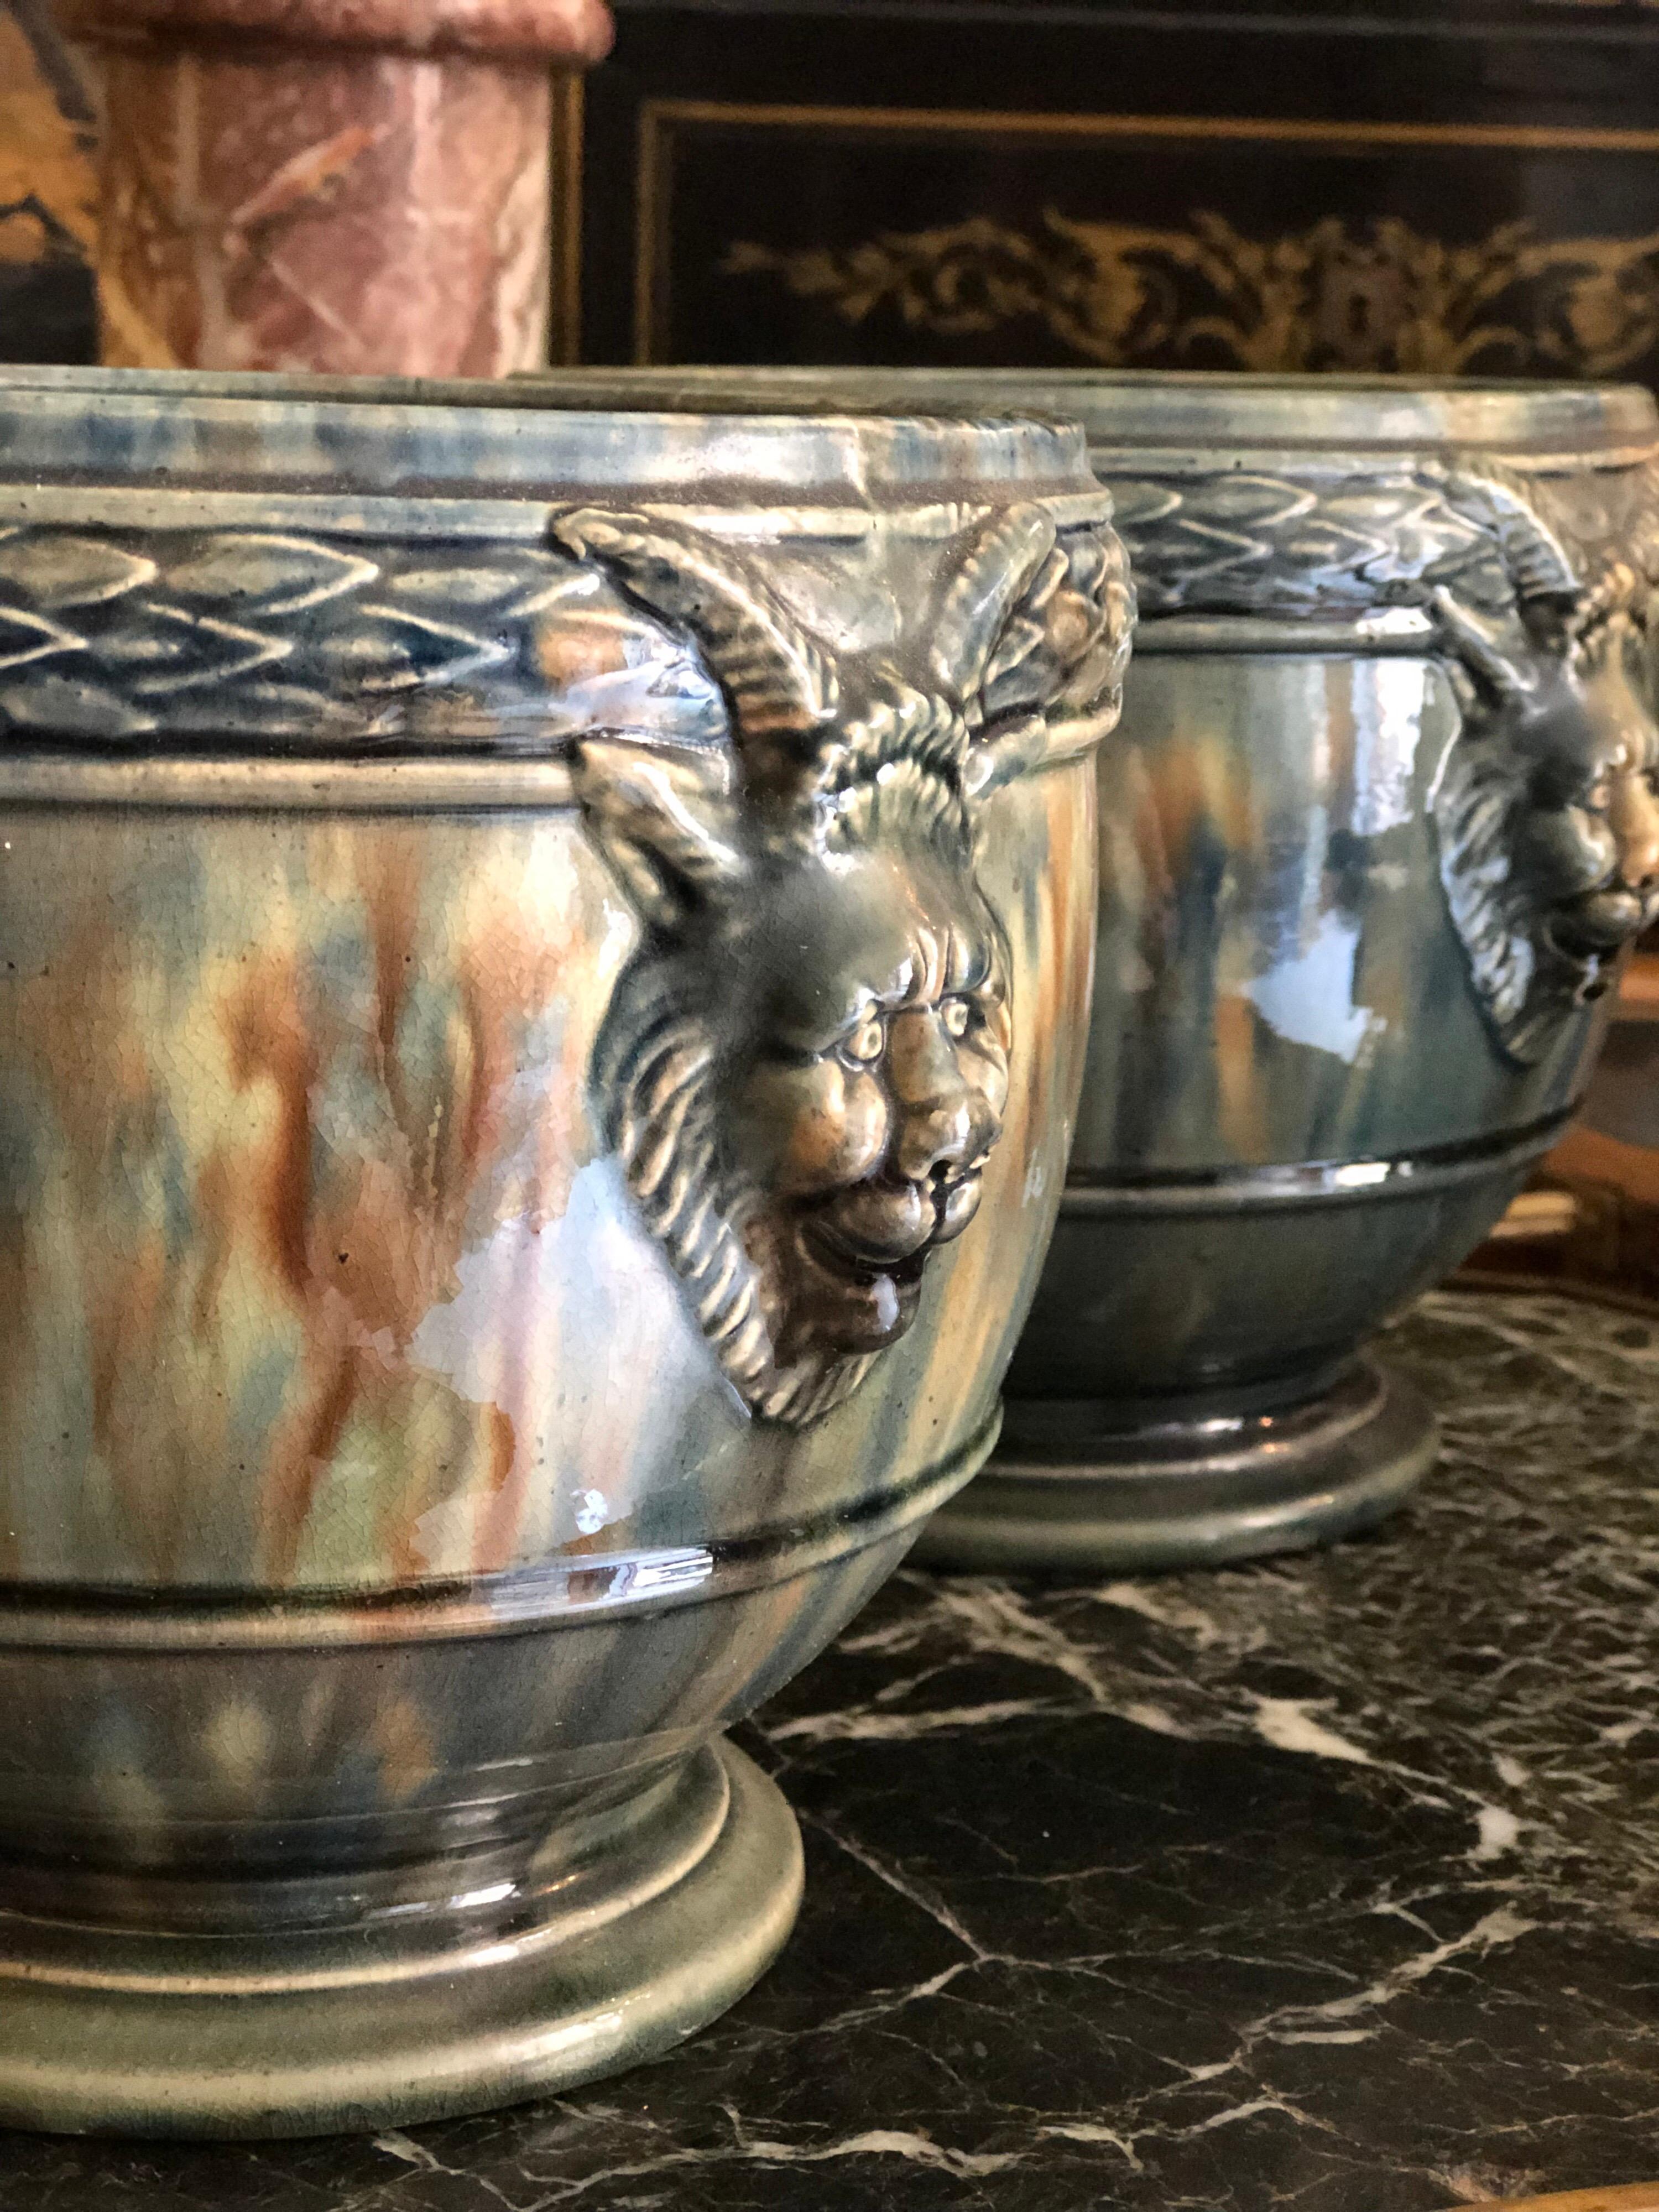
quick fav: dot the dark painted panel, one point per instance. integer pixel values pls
(1107, 183)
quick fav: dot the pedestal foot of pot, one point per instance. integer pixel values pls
(679, 1907)
(1064, 1491)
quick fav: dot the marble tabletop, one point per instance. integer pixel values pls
(1331, 1882)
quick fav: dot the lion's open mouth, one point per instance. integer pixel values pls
(1602, 921)
(858, 1262)
(863, 1253)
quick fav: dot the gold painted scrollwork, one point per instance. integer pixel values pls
(1123, 295)
(48, 190)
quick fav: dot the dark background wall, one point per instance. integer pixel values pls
(1440, 187)
(1445, 188)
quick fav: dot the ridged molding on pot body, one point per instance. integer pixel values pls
(1377, 826)
(546, 959)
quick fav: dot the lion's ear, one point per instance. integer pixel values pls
(667, 824)
(1482, 647)
(781, 687)
(995, 576)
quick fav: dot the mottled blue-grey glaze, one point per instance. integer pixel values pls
(449, 1372)
(1379, 816)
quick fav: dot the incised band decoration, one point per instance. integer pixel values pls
(323, 645)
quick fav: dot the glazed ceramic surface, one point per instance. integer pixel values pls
(545, 960)
(1198, 1880)
(1378, 824)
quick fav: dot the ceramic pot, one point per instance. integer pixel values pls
(1378, 824)
(1375, 828)
(544, 985)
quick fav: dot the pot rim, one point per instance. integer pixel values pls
(1155, 408)
(424, 439)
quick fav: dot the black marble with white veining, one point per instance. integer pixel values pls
(1330, 1882)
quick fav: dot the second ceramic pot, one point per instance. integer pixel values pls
(1376, 825)
(1374, 829)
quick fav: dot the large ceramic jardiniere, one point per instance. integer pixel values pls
(1378, 824)
(545, 971)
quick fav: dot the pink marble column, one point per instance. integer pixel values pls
(355, 186)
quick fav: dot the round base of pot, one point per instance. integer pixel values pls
(1065, 1493)
(681, 1907)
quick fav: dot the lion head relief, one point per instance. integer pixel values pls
(804, 1066)
(1545, 809)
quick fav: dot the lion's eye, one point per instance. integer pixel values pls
(1599, 797)
(866, 1041)
(956, 1016)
